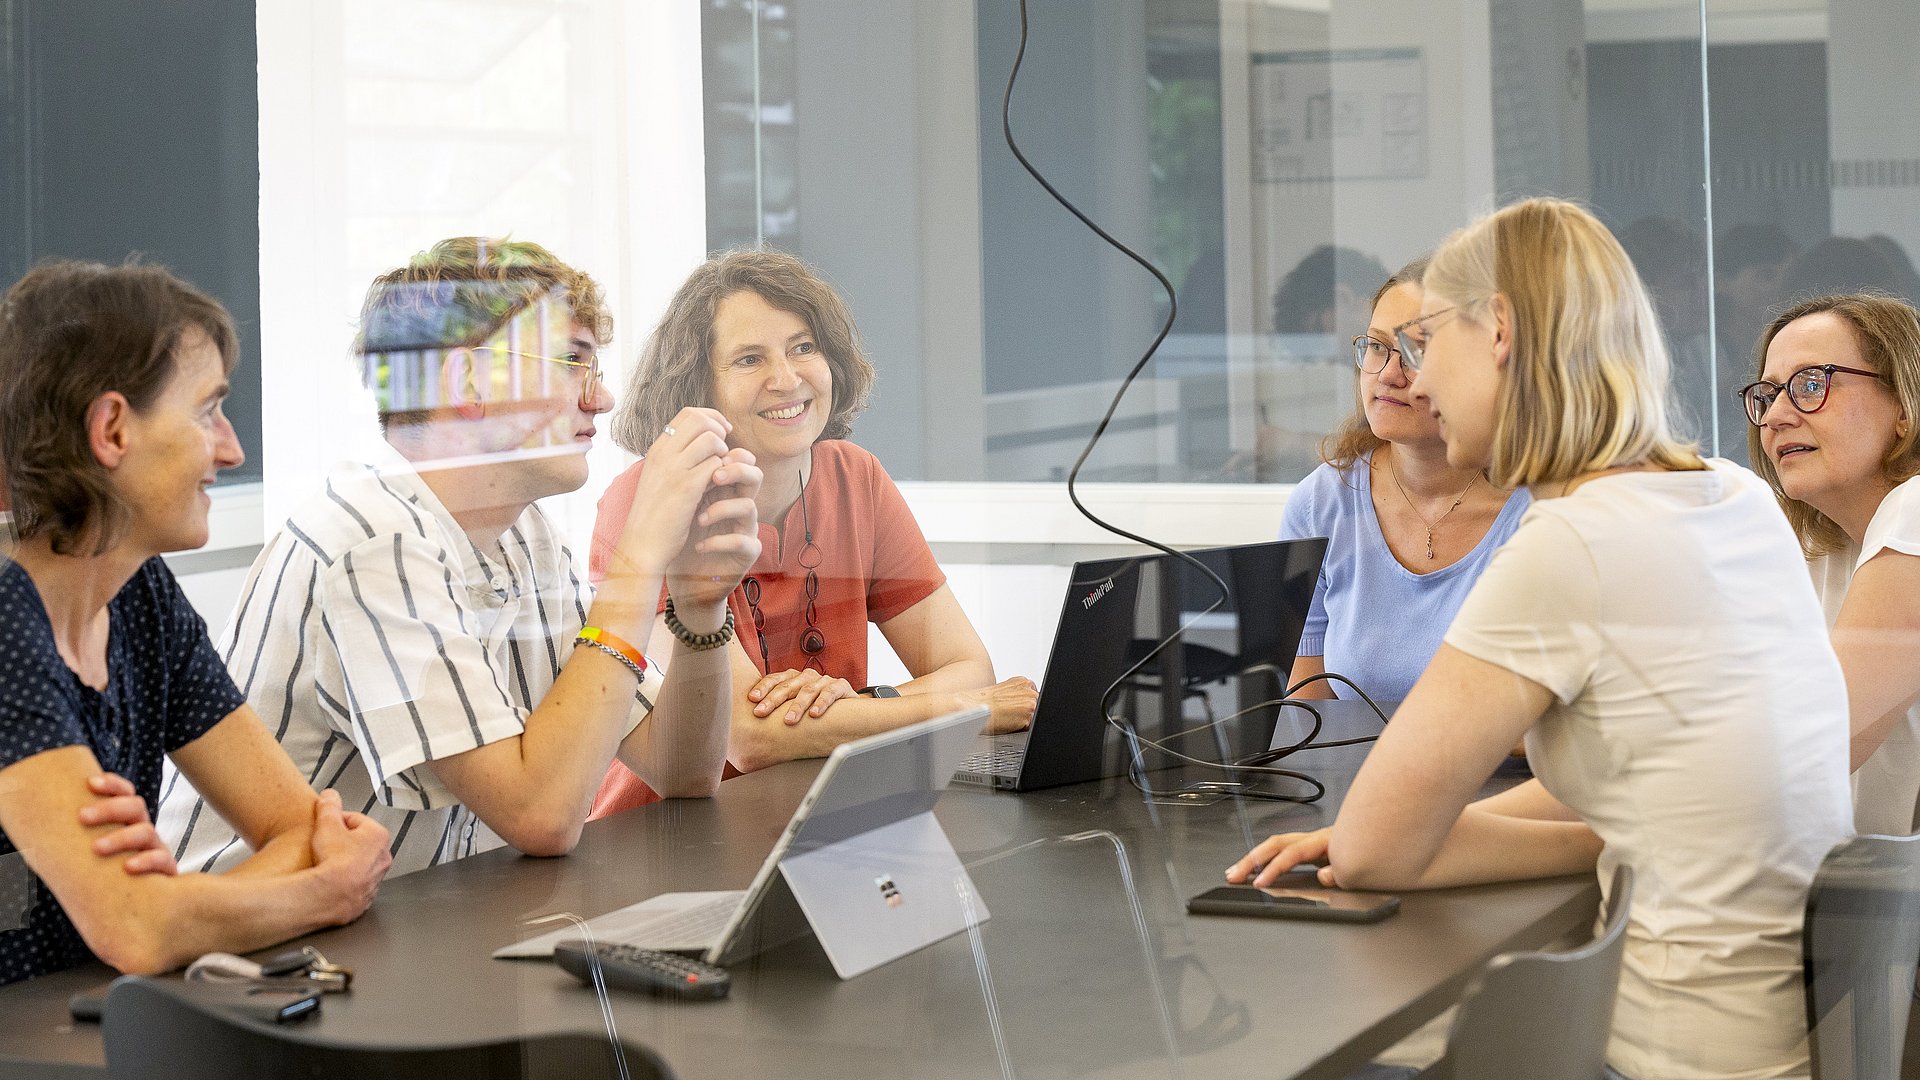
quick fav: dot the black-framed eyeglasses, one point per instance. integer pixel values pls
(1413, 352)
(1806, 389)
(1370, 354)
(589, 387)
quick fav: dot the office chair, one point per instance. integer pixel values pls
(1259, 601)
(154, 1030)
(1542, 1015)
(1859, 948)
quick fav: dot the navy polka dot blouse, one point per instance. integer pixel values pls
(165, 687)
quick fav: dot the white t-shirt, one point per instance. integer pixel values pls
(1886, 789)
(1699, 727)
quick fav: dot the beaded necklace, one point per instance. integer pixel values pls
(814, 641)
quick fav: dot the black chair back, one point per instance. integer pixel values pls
(1860, 945)
(158, 1030)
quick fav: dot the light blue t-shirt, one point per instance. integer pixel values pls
(1372, 619)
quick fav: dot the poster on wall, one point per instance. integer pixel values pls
(1338, 114)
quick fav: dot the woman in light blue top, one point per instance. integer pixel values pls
(1408, 534)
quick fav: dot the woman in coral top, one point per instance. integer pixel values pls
(760, 337)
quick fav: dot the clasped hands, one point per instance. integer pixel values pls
(693, 520)
(118, 803)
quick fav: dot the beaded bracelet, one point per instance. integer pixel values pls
(615, 647)
(698, 642)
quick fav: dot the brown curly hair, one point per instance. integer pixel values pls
(676, 368)
(70, 332)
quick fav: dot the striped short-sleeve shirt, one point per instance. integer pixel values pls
(373, 636)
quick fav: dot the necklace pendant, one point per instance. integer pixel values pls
(1429, 545)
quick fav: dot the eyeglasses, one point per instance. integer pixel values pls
(1413, 352)
(1370, 354)
(1806, 388)
(589, 388)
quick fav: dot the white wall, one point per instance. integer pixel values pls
(1392, 219)
(384, 129)
(1007, 549)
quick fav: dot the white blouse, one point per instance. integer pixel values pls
(1886, 788)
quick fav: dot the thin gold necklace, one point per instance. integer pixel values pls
(1393, 468)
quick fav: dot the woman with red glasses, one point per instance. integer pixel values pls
(1833, 433)
(758, 336)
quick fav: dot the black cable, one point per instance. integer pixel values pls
(1166, 325)
(1260, 764)
(1106, 419)
(1136, 768)
(1331, 676)
(1306, 742)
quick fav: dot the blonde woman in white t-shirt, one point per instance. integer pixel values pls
(1651, 633)
(1839, 383)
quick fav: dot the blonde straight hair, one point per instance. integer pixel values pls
(1587, 376)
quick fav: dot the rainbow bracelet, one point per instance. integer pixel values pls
(615, 646)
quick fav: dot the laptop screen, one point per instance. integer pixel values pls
(1116, 611)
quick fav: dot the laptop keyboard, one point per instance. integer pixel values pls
(675, 922)
(694, 924)
(1002, 759)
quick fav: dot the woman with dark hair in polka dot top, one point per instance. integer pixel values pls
(111, 383)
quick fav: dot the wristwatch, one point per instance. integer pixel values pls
(878, 691)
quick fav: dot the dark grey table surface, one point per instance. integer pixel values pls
(1059, 982)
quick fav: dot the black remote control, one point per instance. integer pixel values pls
(627, 967)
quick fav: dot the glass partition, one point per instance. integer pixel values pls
(1276, 161)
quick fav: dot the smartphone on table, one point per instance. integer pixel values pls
(1284, 900)
(267, 1004)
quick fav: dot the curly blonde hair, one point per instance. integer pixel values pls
(459, 292)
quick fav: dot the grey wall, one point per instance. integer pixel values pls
(1063, 307)
(133, 127)
(868, 170)
(857, 88)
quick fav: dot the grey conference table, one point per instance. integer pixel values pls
(1058, 982)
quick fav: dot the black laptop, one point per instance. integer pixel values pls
(1107, 620)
